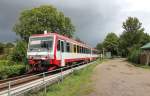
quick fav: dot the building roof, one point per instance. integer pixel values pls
(147, 46)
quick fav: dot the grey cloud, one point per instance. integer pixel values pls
(93, 19)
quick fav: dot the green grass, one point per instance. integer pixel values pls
(3, 62)
(76, 84)
(142, 66)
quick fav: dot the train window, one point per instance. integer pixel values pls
(89, 51)
(58, 45)
(62, 46)
(78, 49)
(83, 50)
(68, 47)
(71, 47)
(94, 52)
(86, 51)
(45, 44)
(74, 48)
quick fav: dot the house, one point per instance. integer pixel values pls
(145, 55)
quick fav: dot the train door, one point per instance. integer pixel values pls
(60, 51)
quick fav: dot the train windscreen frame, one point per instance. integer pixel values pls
(40, 44)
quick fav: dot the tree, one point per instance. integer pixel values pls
(19, 52)
(111, 43)
(45, 17)
(9, 45)
(145, 39)
(132, 34)
(99, 47)
(1, 48)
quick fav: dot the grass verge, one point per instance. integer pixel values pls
(76, 84)
(142, 66)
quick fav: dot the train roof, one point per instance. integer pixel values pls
(64, 37)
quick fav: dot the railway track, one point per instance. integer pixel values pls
(16, 82)
(14, 78)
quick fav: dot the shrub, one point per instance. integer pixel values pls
(10, 69)
(134, 56)
(19, 52)
(1, 48)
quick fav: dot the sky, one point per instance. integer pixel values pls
(93, 19)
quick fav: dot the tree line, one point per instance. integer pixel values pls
(132, 37)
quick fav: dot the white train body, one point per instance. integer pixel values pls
(58, 50)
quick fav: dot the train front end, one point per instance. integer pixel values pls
(40, 52)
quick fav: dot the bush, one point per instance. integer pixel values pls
(10, 69)
(1, 48)
(18, 53)
(134, 56)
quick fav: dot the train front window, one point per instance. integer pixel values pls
(40, 44)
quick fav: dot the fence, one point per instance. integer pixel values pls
(42, 80)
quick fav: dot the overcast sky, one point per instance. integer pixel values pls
(93, 19)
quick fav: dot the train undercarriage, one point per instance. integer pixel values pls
(43, 66)
(40, 66)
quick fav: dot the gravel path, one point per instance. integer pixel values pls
(119, 78)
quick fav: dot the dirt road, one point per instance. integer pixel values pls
(119, 78)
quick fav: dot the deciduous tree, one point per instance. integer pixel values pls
(133, 34)
(111, 43)
(45, 17)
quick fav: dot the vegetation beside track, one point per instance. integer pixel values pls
(10, 65)
(10, 69)
(76, 84)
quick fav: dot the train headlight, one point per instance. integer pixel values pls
(30, 57)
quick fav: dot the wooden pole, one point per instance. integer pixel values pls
(147, 58)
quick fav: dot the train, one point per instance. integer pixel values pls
(49, 51)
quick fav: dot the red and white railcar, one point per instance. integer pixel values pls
(51, 50)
